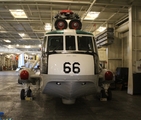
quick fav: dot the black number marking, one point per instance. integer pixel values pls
(75, 67)
(67, 68)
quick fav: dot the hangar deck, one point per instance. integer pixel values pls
(122, 107)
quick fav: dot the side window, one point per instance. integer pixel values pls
(55, 43)
(70, 43)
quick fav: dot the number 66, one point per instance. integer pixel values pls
(75, 67)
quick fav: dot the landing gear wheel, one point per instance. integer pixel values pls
(29, 93)
(109, 97)
(103, 94)
(19, 81)
(22, 95)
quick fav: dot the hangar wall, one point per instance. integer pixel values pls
(118, 52)
(125, 45)
(126, 51)
(115, 53)
(136, 35)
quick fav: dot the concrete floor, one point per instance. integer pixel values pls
(122, 107)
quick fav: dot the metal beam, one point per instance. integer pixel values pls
(49, 1)
(88, 10)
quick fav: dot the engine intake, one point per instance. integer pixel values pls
(67, 19)
(75, 24)
(60, 24)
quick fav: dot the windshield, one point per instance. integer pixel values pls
(55, 42)
(82, 43)
(70, 43)
(85, 43)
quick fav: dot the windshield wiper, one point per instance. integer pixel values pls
(56, 48)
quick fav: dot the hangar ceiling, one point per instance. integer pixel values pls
(40, 12)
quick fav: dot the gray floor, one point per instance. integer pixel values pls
(122, 107)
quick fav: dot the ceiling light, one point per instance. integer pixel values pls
(8, 56)
(39, 45)
(27, 46)
(22, 34)
(9, 46)
(101, 29)
(17, 45)
(91, 15)
(47, 26)
(8, 41)
(19, 13)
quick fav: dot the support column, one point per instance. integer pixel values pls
(130, 73)
(21, 60)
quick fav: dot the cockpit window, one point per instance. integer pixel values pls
(55, 42)
(70, 43)
(85, 43)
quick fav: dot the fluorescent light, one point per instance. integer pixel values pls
(8, 56)
(8, 41)
(9, 46)
(22, 34)
(3, 31)
(91, 15)
(27, 46)
(47, 26)
(18, 13)
(101, 29)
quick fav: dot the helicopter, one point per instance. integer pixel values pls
(69, 63)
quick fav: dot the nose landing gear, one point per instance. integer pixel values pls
(26, 93)
(106, 93)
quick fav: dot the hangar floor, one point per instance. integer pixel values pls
(122, 107)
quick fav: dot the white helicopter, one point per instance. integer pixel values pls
(69, 63)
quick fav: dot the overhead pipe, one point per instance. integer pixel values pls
(50, 1)
(125, 18)
(124, 27)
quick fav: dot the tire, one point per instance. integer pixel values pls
(29, 93)
(19, 81)
(109, 97)
(22, 95)
(103, 94)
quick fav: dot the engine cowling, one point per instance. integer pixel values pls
(24, 75)
(108, 75)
